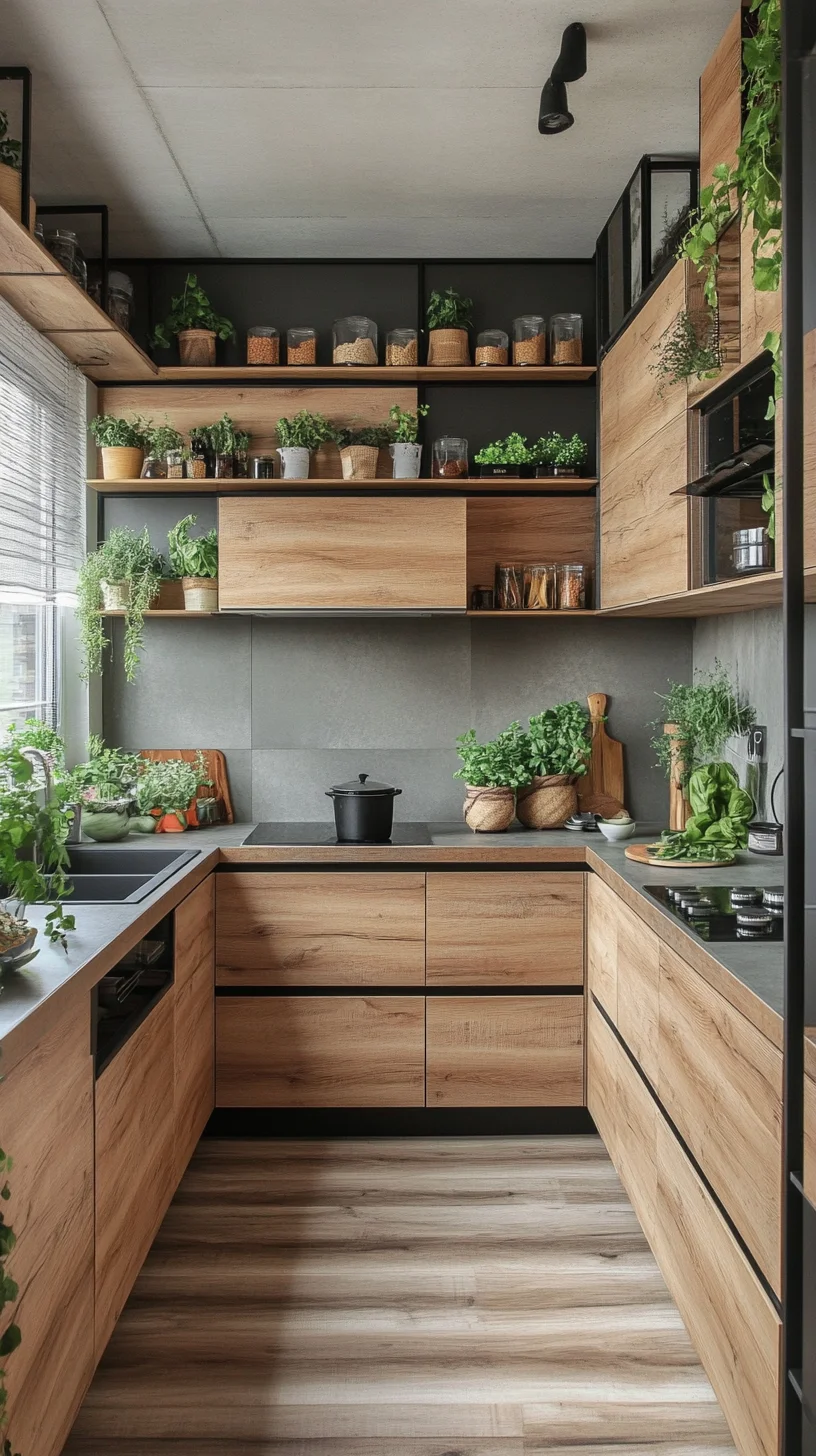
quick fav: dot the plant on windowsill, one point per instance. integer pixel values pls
(492, 773)
(195, 560)
(510, 457)
(123, 575)
(195, 324)
(360, 449)
(298, 439)
(405, 449)
(558, 748)
(449, 315)
(697, 720)
(122, 445)
(33, 859)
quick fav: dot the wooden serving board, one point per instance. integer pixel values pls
(216, 766)
(601, 790)
(641, 854)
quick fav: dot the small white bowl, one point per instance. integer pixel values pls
(615, 829)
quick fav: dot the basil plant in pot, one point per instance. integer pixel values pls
(122, 445)
(104, 787)
(449, 315)
(299, 438)
(195, 324)
(360, 450)
(558, 748)
(492, 772)
(405, 449)
(33, 859)
(195, 560)
(122, 575)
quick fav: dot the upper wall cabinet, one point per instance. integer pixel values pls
(720, 109)
(314, 553)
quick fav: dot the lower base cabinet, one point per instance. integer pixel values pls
(193, 1021)
(505, 1051)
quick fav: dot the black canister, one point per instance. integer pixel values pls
(363, 810)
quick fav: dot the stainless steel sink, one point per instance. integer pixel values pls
(121, 873)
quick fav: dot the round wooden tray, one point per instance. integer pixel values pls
(640, 853)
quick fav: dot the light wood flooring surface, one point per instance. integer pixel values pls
(445, 1297)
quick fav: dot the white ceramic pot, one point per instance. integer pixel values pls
(407, 460)
(115, 596)
(294, 462)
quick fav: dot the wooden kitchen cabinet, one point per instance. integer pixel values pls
(625, 1115)
(505, 1051)
(46, 1112)
(633, 409)
(193, 1021)
(316, 552)
(313, 929)
(623, 970)
(135, 1159)
(320, 1051)
(512, 928)
(721, 102)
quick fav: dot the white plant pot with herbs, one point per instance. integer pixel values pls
(298, 439)
(123, 575)
(405, 449)
(195, 560)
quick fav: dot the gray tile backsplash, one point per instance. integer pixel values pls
(750, 646)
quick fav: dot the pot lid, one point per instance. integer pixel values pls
(363, 785)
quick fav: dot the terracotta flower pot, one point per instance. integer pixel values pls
(489, 811)
(359, 462)
(121, 462)
(448, 347)
(197, 347)
(547, 802)
(200, 593)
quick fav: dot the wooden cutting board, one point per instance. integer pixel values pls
(216, 765)
(601, 790)
(641, 854)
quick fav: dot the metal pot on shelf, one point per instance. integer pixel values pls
(363, 810)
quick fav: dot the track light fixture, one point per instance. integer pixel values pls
(554, 114)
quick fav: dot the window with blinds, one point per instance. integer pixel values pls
(42, 514)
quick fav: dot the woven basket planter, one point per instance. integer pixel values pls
(197, 347)
(121, 462)
(200, 593)
(359, 462)
(448, 347)
(547, 802)
(489, 811)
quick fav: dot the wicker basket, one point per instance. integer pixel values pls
(448, 347)
(547, 802)
(200, 593)
(121, 462)
(197, 347)
(489, 811)
(359, 462)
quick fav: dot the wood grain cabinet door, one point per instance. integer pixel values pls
(194, 1021)
(373, 553)
(505, 1051)
(510, 928)
(313, 929)
(320, 1051)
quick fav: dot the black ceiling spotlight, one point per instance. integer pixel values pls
(553, 113)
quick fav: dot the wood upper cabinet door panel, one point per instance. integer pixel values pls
(632, 408)
(505, 929)
(721, 1084)
(135, 1165)
(380, 552)
(505, 1051)
(315, 929)
(46, 1112)
(721, 103)
(644, 526)
(194, 1021)
(320, 1051)
(602, 943)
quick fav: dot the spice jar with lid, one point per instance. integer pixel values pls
(301, 346)
(491, 347)
(529, 339)
(572, 586)
(354, 340)
(539, 588)
(566, 338)
(509, 586)
(263, 345)
(450, 457)
(402, 347)
(120, 300)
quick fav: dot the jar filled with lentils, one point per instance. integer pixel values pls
(263, 345)
(301, 346)
(529, 339)
(492, 347)
(402, 347)
(566, 338)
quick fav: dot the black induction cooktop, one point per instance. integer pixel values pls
(726, 912)
(327, 834)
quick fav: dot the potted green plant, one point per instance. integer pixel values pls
(165, 450)
(202, 456)
(697, 720)
(240, 456)
(195, 323)
(298, 438)
(33, 858)
(102, 791)
(492, 773)
(360, 449)
(570, 456)
(223, 439)
(122, 575)
(557, 748)
(449, 315)
(510, 457)
(195, 560)
(165, 791)
(122, 444)
(405, 449)
(544, 451)
(34, 733)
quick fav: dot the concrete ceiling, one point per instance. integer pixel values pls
(328, 128)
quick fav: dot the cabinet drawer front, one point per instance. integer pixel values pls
(320, 929)
(505, 1051)
(505, 929)
(194, 931)
(637, 951)
(721, 1084)
(320, 1051)
(378, 552)
(626, 1116)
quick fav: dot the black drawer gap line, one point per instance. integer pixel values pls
(369, 991)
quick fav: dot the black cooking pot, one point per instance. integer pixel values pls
(363, 811)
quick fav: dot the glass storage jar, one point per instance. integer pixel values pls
(223, 467)
(573, 578)
(174, 463)
(263, 345)
(509, 586)
(263, 467)
(529, 339)
(492, 347)
(450, 457)
(63, 244)
(539, 588)
(120, 300)
(402, 347)
(301, 346)
(566, 338)
(354, 340)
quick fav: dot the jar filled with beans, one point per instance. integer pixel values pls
(450, 458)
(572, 586)
(354, 340)
(263, 345)
(529, 339)
(402, 348)
(492, 347)
(301, 346)
(566, 338)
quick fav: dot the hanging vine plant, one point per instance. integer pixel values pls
(689, 349)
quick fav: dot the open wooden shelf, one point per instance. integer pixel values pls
(41, 291)
(503, 485)
(164, 612)
(381, 373)
(575, 612)
(764, 590)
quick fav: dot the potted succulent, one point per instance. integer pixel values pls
(510, 457)
(449, 318)
(557, 754)
(195, 323)
(105, 787)
(122, 445)
(299, 437)
(360, 449)
(166, 792)
(165, 450)
(124, 575)
(405, 449)
(33, 859)
(570, 456)
(492, 772)
(195, 560)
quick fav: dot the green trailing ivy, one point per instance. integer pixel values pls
(701, 241)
